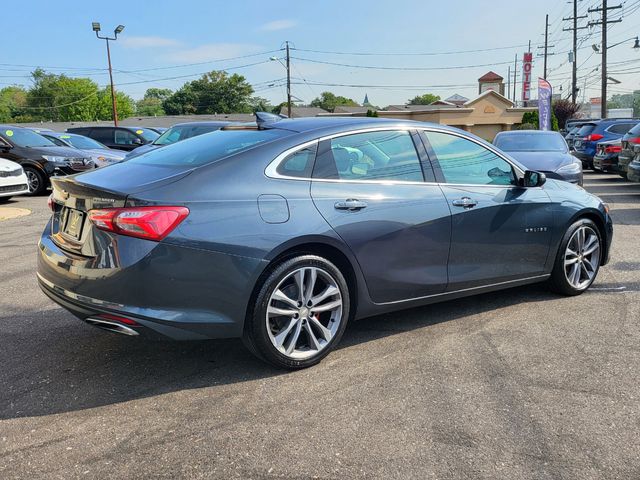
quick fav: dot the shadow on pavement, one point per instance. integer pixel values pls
(60, 364)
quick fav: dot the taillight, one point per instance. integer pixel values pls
(635, 140)
(613, 149)
(594, 137)
(150, 223)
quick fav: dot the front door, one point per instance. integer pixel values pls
(370, 188)
(500, 231)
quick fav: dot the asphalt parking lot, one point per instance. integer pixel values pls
(516, 384)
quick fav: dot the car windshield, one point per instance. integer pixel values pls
(531, 142)
(148, 135)
(208, 148)
(79, 141)
(182, 132)
(24, 137)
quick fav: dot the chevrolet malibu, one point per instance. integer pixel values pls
(282, 232)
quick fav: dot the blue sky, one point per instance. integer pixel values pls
(165, 41)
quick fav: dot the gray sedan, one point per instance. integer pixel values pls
(541, 151)
(101, 154)
(282, 232)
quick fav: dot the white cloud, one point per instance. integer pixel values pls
(278, 25)
(148, 42)
(210, 52)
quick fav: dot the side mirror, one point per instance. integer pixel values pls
(5, 146)
(533, 179)
(138, 141)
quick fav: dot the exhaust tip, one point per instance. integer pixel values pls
(111, 326)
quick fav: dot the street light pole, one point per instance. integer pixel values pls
(114, 103)
(288, 83)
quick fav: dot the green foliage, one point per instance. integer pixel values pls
(527, 126)
(259, 104)
(125, 104)
(627, 100)
(279, 108)
(425, 99)
(532, 119)
(214, 92)
(12, 103)
(329, 101)
(151, 104)
(372, 113)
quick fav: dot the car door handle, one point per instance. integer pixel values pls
(464, 202)
(350, 204)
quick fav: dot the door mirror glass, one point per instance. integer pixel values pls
(533, 179)
(138, 141)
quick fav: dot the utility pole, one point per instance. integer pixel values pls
(604, 22)
(574, 58)
(546, 45)
(288, 82)
(515, 77)
(509, 83)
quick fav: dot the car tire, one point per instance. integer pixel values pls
(284, 326)
(578, 259)
(37, 181)
(4, 199)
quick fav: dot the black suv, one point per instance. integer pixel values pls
(40, 158)
(121, 138)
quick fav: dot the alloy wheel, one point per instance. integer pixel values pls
(582, 257)
(33, 181)
(304, 313)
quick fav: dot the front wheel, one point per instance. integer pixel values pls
(299, 314)
(578, 259)
(36, 180)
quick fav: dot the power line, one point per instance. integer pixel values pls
(378, 67)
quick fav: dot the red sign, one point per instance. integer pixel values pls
(527, 61)
(595, 100)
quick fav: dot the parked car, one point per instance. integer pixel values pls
(101, 155)
(13, 181)
(178, 132)
(630, 141)
(576, 122)
(40, 158)
(606, 158)
(158, 130)
(120, 138)
(601, 131)
(633, 169)
(541, 151)
(282, 233)
(571, 136)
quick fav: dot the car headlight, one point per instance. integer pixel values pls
(574, 167)
(56, 160)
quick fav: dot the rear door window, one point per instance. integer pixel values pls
(382, 156)
(299, 164)
(103, 135)
(621, 128)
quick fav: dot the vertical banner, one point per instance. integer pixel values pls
(527, 60)
(544, 104)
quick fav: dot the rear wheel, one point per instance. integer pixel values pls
(578, 259)
(299, 314)
(36, 180)
(4, 199)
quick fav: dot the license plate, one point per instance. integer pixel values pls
(74, 219)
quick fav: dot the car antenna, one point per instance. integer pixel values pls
(265, 118)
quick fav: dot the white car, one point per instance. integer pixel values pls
(13, 180)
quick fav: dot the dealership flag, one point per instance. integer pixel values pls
(544, 104)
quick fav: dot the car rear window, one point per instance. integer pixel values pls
(208, 148)
(621, 128)
(586, 129)
(635, 131)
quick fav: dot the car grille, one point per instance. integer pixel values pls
(13, 188)
(12, 173)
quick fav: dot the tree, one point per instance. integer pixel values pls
(259, 104)
(214, 92)
(426, 99)
(564, 110)
(13, 101)
(61, 98)
(329, 101)
(104, 109)
(627, 100)
(151, 103)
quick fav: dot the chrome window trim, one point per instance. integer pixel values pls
(271, 169)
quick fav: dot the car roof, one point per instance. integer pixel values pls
(318, 124)
(202, 124)
(528, 132)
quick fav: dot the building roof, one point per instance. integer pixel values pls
(490, 77)
(456, 99)
(300, 112)
(488, 93)
(347, 109)
(417, 108)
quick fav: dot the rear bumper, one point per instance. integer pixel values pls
(633, 172)
(605, 163)
(171, 291)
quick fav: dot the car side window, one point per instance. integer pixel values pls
(462, 161)
(124, 137)
(385, 156)
(55, 140)
(298, 164)
(103, 135)
(621, 128)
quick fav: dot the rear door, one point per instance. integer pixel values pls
(103, 135)
(370, 188)
(500, 231)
